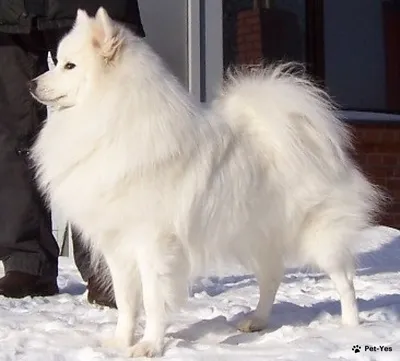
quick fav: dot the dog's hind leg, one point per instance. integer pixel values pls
(340, 269)
(330, 253)
(127, 289)
(345, 287)
(269, 272)
(164, 274)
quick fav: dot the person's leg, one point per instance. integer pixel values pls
(98, 278)
(27, 247)
(82, 256)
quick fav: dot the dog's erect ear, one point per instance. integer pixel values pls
(105, 22)
(81, 16)
(107, 38)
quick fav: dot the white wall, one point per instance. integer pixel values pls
(213, 48)
(188, 35)
(165, 25)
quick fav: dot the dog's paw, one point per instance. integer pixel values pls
(145, 349)
(251, 324)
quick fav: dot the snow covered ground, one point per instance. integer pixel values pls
(305, 323)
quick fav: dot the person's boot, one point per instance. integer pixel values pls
(100, 295)
(17, 284)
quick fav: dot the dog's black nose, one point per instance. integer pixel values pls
(32, 84)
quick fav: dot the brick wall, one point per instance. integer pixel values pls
(377, 143)
(378, 152)
(248, 37)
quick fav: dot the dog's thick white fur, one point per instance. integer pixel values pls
(162, 187)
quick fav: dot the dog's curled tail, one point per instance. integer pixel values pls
(295, 124)
(280, 100)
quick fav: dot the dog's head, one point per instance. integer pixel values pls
(92, 46)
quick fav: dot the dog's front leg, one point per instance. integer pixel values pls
(127, 289)
(163, 272)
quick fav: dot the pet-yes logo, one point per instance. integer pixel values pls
(369, 348)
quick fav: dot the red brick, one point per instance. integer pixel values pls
(390, 136)
(374, 159)
(379, 147)
(254, 19)
(242, 30)
(390, 159)
(382, 171)
(254, 37)
(395, 209)
(360, 157)
(393, 183)
(371, 136)
(392, 220)
(244, 15)
(396, 194)
(380, 181)
(396, 172)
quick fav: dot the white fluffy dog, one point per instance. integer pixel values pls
(162, 187)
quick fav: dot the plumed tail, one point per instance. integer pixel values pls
(295, 125)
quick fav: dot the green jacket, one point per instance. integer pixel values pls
(21, 16)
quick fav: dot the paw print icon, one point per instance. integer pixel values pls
(356, 348)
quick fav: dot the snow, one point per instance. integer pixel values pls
(305, 322)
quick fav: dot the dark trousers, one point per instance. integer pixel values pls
(98, 272)
(26, 240)
(82, 256)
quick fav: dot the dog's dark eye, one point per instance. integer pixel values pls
(69, 66)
